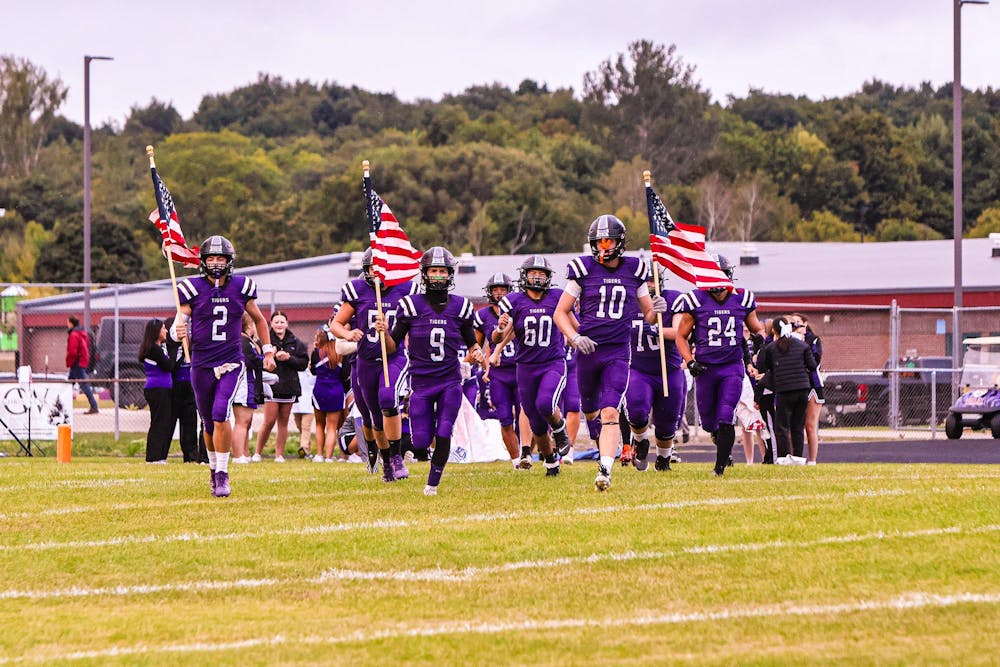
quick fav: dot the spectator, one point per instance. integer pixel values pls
(800, 324)
(78, 358)
(302, 413)
(790, 361)
(249, 393)
(328, 394)
(159, 382)
(290, 358)
(184, 411)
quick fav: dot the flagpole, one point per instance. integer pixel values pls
(173, 275)
(365, 168)
(647, 178)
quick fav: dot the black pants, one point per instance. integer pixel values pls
(767, 412)
(161, 424)
(790, 420)
(186, 412)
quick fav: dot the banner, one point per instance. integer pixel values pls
(43, 407)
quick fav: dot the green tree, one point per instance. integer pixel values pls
(893, 229)
(28, 104)
(987, 223)
(648, 103)
(823, 226)
(115, 253)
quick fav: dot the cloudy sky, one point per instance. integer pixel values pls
(178, 51)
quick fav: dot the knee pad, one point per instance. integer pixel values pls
(663, 434)
(390, 412)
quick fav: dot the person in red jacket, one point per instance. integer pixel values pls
(78, 358)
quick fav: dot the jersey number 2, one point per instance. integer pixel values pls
(219, 323)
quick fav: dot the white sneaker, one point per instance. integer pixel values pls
(430, 490)
(354, 458)
(318, 458)
(810, 463)
(603, 480)
(255, 458)
(797, 460)
(783, 461)
(279, 459)
(408, 457)
(568, 459)
(333, 460)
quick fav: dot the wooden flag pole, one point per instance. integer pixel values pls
(173, 275)
(647, 178)
(366, 170)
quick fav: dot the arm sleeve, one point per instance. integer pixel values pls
(573, 289)
(300, 357)
(469, 334)
(810, 360)
(399, 331)
(817, 350)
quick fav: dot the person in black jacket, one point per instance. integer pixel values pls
(159, 381)
(182, 402)
(790, 362)
(291, 357)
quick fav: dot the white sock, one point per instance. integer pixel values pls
(608, 462)
(222, 462)
(514, 461)
(212, 458)
(663, 451)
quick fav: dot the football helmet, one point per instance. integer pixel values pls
(216, 245)
(535, 262)
(366, 267)
(607, 238)
(498, 280)
(437, 256)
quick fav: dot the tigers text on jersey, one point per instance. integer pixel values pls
(646, 344)
(435, 335)
(538, 338)
(216, 318)
(361, 296)
(607, 296)
(486, 323)
(718, 327)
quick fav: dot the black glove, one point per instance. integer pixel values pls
(757, 340)
(696, 368)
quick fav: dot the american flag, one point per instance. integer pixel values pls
(394, 260)
(680, 248)
(165, 218)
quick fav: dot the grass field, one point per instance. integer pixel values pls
(110, 561)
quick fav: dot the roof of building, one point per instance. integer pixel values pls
(783, 270)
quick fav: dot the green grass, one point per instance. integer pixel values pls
(319, 563)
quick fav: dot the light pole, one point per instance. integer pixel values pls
(956, 170)
(86, 188)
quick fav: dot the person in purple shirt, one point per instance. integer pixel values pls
(214, 303)
(438, 325)
(610, 288)
(540, 359)
(645, 386)
(378, 404)
(500, 382)
(158, 367)
(714, 319)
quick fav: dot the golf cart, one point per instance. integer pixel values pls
(979, 405)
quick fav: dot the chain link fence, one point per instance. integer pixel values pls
(885, 366)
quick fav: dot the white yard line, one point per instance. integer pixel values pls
(473, 573)
(906, 601)
(462, 519)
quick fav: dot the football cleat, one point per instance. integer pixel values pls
(387, 475)
(552, 469)
(603, 480)
(567, 456)
(430, 490)
(221, 485)
(719, 471)
(674, 458)
(399, 470)
(626, 457)
(641, 460)
(662, 463)
(213, 481)
(524, 463)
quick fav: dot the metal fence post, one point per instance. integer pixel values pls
(933, 404)
(118, 335)
(894, 328)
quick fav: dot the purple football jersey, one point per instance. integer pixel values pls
(486, 322)
(607, 296)
(216, 318)
(646, 344)
(361, 296)
(435, 335)
(718, 327)
(538, 338)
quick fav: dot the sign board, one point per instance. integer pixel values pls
(42, 406)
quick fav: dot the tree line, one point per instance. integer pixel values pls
(275, 166)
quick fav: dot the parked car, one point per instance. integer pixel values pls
(130, 331)
(978, 407)
(863, 398)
